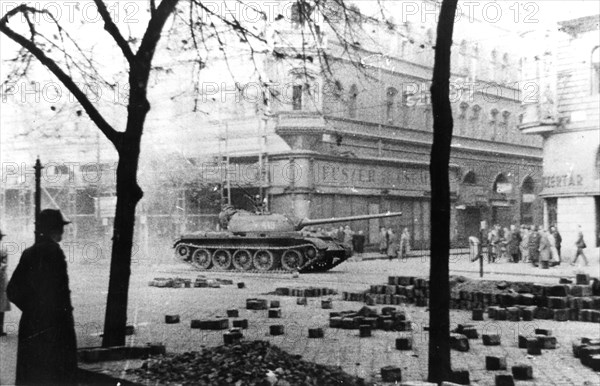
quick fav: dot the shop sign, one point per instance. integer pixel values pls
(371, 176)
(562, 181)
(528, 198)
(504, 187)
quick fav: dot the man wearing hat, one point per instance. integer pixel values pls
(47, 352)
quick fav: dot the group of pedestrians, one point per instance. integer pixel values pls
(531, 244)
(394, 245)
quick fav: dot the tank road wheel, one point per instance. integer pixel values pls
(311, 252)
(291, 260)
(201, 259)
(263, 260)
(182, 250)
(221, 258)
(242, 260)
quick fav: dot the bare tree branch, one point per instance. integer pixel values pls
(90, 109)
(113, 30)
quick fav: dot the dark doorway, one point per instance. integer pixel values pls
(471, 221)
(501, 216)
(551, 205)
(527, 199)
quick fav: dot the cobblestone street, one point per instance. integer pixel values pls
(358, 356)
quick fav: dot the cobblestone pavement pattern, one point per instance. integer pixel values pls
(359, 356)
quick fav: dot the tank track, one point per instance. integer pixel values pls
(308, 263)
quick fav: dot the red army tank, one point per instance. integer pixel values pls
(266, 242)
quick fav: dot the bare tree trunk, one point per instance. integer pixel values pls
(128, 195)
(440, 368)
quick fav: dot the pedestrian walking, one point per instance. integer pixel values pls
(4, 302)
(524, 245)
(580, 244)
(392, 244)
(544, 249)
(348, 233)
(404, 244)
(494, 242)
(514, 242)
(557, 241)
(553, 252)
(383, 241)
(534, 246)
(47, 351)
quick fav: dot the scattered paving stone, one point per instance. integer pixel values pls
(364, 330)
(327, 304)
(241, 285)
(582, 278)
(315, 333)
(222, 365)
(495, 363)
(275, 313)
(513, 314)
(391, 374)
(561, 315)
(232, 337)
(171, 319)
(404, 343)
(594, 362)
(547, 342)
(460, 376)
(543, 331)
(565, 280)
(534, 346)
(586, 352)
(504, 380)
(522, 372)
(276, 329)
(459, 342)
(491, 339)
(301, 301)
(335, 322)
(240, 323)
(388, 310)
(275, 304)
(256, 304)
(477, 314)
(233, 313)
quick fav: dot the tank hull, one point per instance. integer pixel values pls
(281, 252)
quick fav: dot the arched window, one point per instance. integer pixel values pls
(527, 199)
(390, 96)
(494, 115)
(470, 178)
(596, 70)
(502, 185)
(476, 109)
(352, 96)
(463, 110)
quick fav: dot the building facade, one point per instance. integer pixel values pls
(567, 118)
(348, 137)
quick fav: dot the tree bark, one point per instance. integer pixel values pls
(440, 368)
(128, 195)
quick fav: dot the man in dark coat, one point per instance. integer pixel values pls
(534, 246)
(47, 352)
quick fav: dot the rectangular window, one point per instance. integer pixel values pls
(297, 98)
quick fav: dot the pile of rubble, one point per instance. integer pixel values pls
(178, 282)
(244, 363)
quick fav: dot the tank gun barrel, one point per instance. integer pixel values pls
(306, 222)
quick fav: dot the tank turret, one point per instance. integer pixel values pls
(266, 242)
